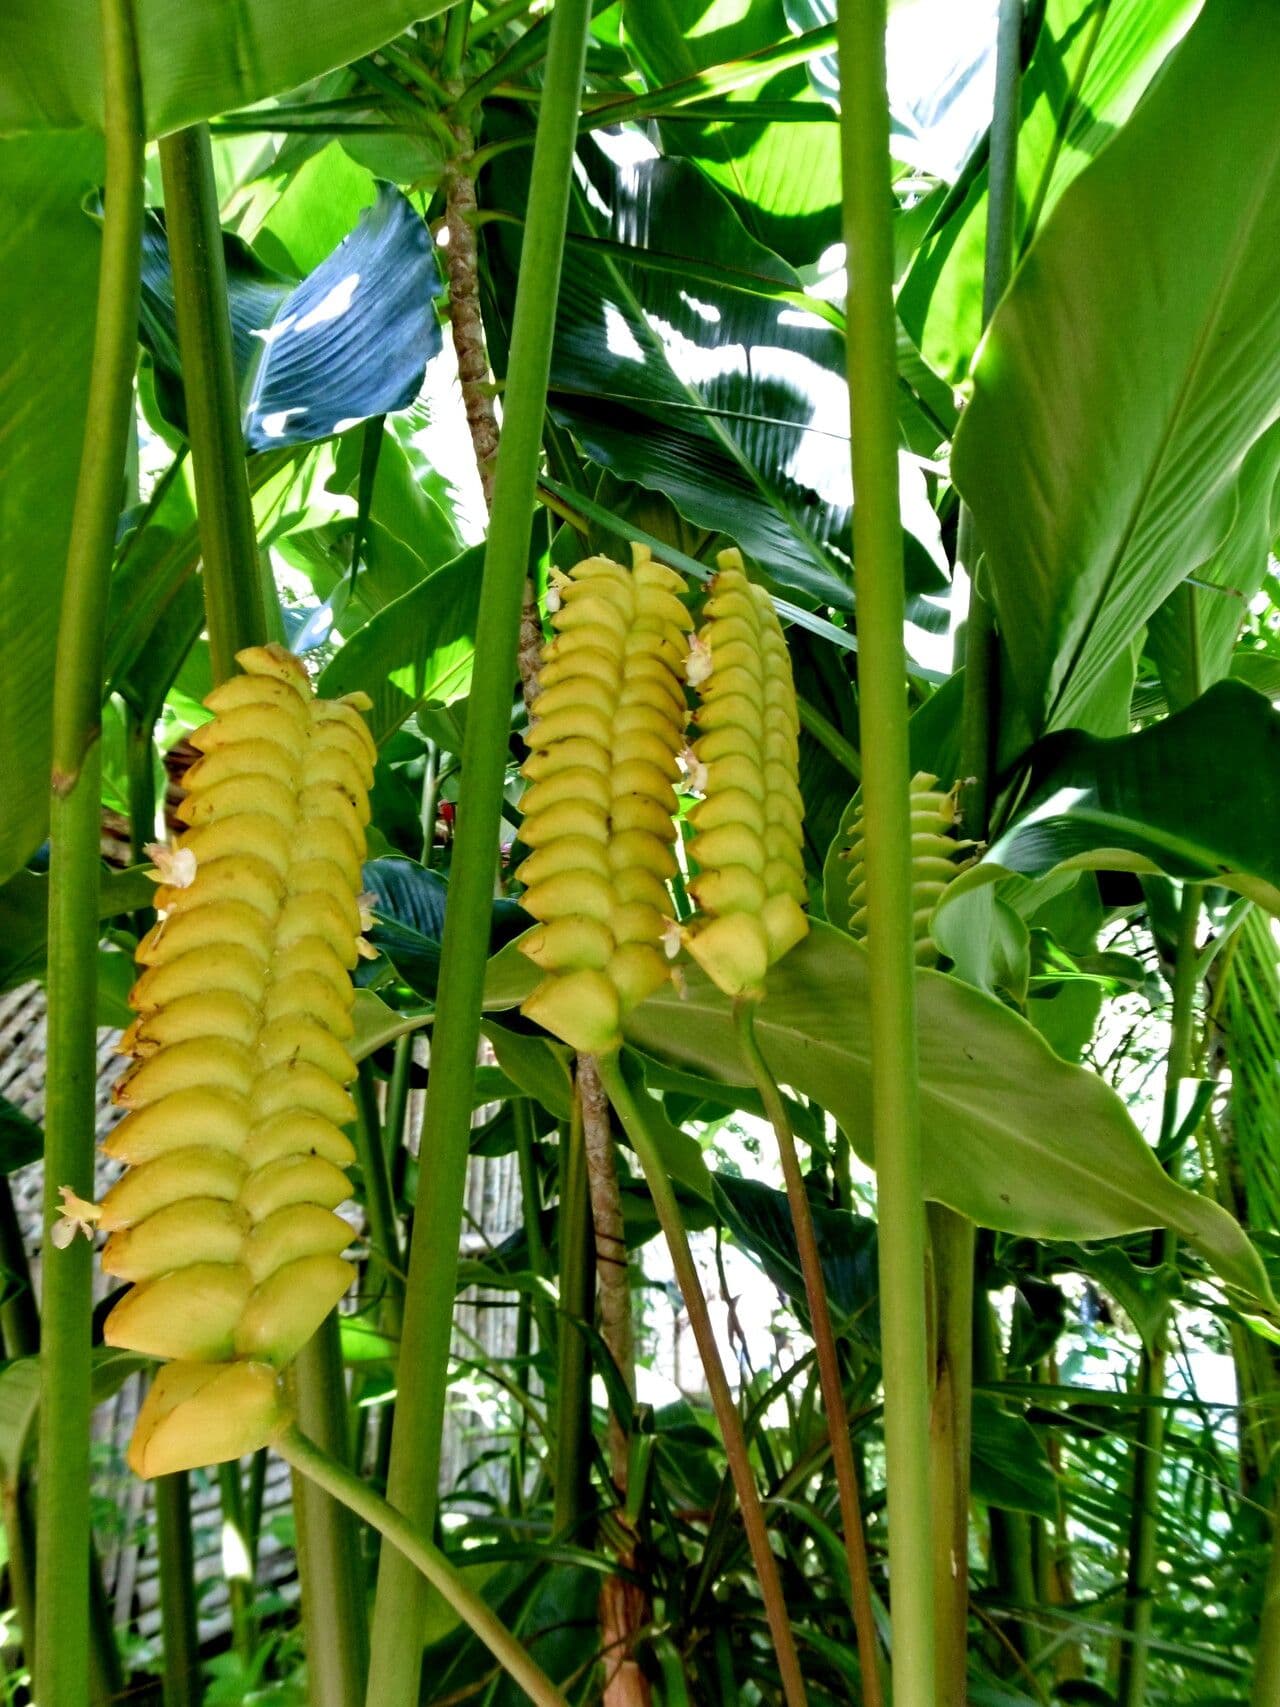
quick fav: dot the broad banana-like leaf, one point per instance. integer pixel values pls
(197, 60)
(417, 651)
(1196, 795)
(48, 288)
(1014, 1137)
(350, 340)
(1131, 368)
(1090, 67)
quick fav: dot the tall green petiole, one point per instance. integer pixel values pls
(345, 1487)
(824, 1341)
(238, 614)
(62, 1613)
(735, 1442)
(1148, 1453)
(415, 1454)
(878, 570)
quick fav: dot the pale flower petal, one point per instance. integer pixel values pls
(695, 772)
(78, 1216)
(174, 866)
(697, 666)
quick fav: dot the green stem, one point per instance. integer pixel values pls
(233, 591)
(379, 1202)
(1011, 1565)
(238, 614)
(827, 735)
(19, 1318)
(237, 1569)
(530, 1204)
(430, 798)
(415, 1455)
(329, 1563)
(872, 363)
(1148, 1450)
(731, 1431)
(319, 1467)
(20, 1535)
(141, 783)
(181, 1676)
(1266, 1677)
(397, 1100)
(455, 41)
(952, 1241)
(951, 1247)
(573, 1360)
(824, 1340)
(62, 1622)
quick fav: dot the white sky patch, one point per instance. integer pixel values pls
(274, 424)
(595, 201)
(704, 310)
(819, 457)
(626, 147)
(619, 339)
(941, 64)
(333, 304)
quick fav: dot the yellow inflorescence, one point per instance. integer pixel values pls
(224, 1220)
(937, 859)
(750, 887)
(608, 724)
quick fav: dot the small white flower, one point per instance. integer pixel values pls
(697, 666)
(77, 1217)
(174, 866)
(695, 772)
(672, 938)
(366, 902)
(555, 589)
(365, 949)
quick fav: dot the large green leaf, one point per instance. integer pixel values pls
(197, 60)
(1131, 368)
(48, 285)
(24, 913)
(1092, 61)
(727, 400)
(782, 174)
(1190, 638)
(1011, 1468)
(1196, 795)
(687, 359)
(1014, 1138)
(417, 651)
(350, 340)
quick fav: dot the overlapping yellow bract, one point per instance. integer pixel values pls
(938, 857)
(608, 723)
(750, 887)
(224, 1220)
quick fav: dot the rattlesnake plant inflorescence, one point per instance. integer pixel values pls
(747, 842)
(608, 724)
(938, 856)
(224, 1220)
